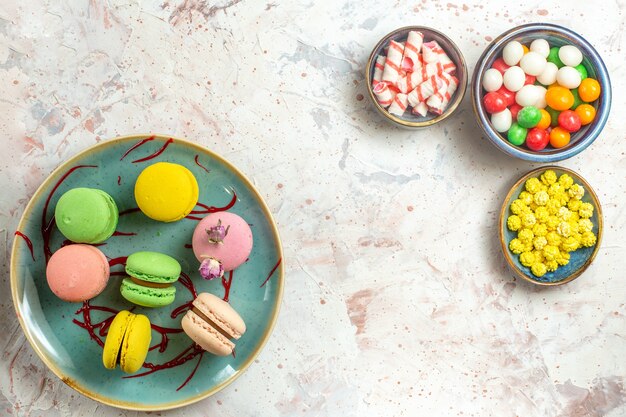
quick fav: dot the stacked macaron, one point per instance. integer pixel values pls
(79, 271)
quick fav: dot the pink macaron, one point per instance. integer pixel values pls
(77, 273)
(222, 237)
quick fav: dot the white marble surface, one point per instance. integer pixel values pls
(398, 301)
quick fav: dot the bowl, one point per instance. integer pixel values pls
(409, 120)
(556, 36)
(67, 336)
(579, 259)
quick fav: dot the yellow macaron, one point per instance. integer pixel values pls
(127, 342)
(166, 192)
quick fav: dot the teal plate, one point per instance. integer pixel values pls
(67, 336)
(579, 259)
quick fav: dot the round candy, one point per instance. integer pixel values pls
(525, 49)
(553, 57)
(541, 46)
(513, 52)
(570, 121)
(494, 102)
(554, 116)
(528, 95)
(509, 96)
(548, 75)
(502, 121)
(529, 79)
(541, 102)
(528, 117)
(537, 139)
(582, 70)
(589, 90)
(515, 108)
(514, 78)
(517, 134)
(544, 123)
(492, 80)
(500, 65)
(570, 55)
(568, 77)
(559, 137)
(559, 98)
(586, 112)
(533, 63)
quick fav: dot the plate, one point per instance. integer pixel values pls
(580, 259)
(67, 336)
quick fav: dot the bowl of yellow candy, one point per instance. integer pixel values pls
(550, 226)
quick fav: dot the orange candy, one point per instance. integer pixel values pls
(545, 120)
(559, 137)
(560, 98)
(586, 112)
(525, 48)
(589, 90)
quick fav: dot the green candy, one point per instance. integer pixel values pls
(582, 70)
(554, 116)
(517, 134)
(577, 100)
(528, 117)
(554, 57)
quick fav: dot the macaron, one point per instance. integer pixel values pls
(77, 272)
(86, 215)
(166, 192)
(151, 277)
(223, 237)
(127, 342)
(211, 323)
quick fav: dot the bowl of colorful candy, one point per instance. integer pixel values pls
(416, 77)
(550, 226)
(541, 93)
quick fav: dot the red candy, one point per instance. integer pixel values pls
(515, 108)
(530, 79)
(500, 65)
(570, 121)
(494, 102)
(537, 139)
(509, 96)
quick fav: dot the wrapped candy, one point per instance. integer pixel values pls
(421, 109)
(383, 94)
(425, 90)
(411, 60)
(410, 81)
(399, 104)
(391, 71)
(379, 66)
(432, 52)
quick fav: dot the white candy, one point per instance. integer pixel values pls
(512, 53)
(570, 55)
(533, 63)
(541, 46)
(502, 121)
(548, 75)
(514, 78)
(541, 102)
(568, 77)
(528, 95)
(492, 80)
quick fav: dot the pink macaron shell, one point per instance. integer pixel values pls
(77, 272)
(235, 248)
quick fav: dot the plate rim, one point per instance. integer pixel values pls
(63, 166)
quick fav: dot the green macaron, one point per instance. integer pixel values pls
(151, 277)
(86, 215)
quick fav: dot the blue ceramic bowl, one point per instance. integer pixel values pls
(556, 36)
(579, 259)
(409, 120)
(56, 329)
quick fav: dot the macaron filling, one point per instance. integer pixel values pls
(211, 322)
(149, 284)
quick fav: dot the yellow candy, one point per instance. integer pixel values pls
(532, 207)
(527, 259)
(548, 177)
(566, 181)
(569, 244)
(564, 214)
(533, 185)
(574, 217)
(573, 226)
(516, 246)
(563, 229)
(576, 191)
(518, 207)
(561, 197)
(538, 269)
(553, 239)
(585, 225)
(528, 219)
(514, 223)
(539, 242)
(541, 214)
(563, 258)
(554, 189)
(540, 229)
(525, 197)
(525, 235)
(551, 252)
(552, 223)
(574, 205)
(541, 198)
(585, 211)
(588, 239)
(538, 256)
(552, 266)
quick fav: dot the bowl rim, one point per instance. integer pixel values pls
(280, 272)
(504, 212)
(452, 107)
(528, 155)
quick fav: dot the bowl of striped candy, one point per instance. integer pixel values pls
(416, 77)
